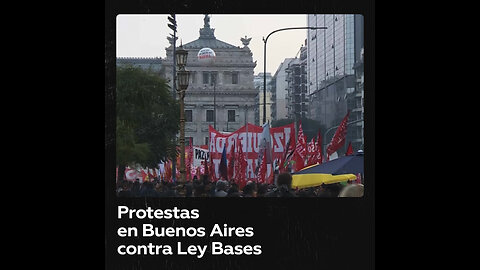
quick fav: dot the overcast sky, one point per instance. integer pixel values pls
(146, 35)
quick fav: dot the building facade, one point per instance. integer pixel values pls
(279, 91)
(297, 92)
(221, 94)
(258, 84)
(332, 54)
(356, 107)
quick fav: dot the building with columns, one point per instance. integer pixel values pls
(221, 94)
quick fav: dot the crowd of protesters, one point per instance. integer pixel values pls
(222, 188)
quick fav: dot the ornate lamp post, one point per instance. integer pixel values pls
(183, 77)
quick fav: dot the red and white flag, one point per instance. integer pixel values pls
(301, 147)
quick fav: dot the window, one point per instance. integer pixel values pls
(213, 76)
(235, 78)
(206, 141)
(210, 116)
(206, 77)
(188, 115)
(193, 74)
(188, 141)
(231, 115)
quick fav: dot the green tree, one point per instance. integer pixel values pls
(147, 118)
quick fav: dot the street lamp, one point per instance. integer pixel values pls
(265, 65)
(183, 77)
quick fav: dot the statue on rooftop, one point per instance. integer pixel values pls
(245, 40)
(206, 21)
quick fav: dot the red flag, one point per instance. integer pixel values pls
(223, 163)
(338, 140)
(349, 149)
(312, 147)
(231, 164)
(289, 150)
(211, 170)
(300, 154)
(198, 173)
(240, 168)
(168, 171)
(301, 142)
(206, 167)
(318, 154)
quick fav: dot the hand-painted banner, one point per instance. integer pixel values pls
(250, 145)
(199, 156)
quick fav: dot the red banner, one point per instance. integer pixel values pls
(279, 137)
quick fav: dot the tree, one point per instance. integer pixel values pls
(147, 118)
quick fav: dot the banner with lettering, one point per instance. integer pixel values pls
(248, 139)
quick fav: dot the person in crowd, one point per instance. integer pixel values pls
(284, 186)
(210, 189)
(148, 190)
(249, 190)
(262, 190)
(233, 191)
(221, 189)
(170, 190)
(335, 189)
(136, 188)
(322, 191)
(352, 190)
(189, 188)
(198, 189)
(125, 190)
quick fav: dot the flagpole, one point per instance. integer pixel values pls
(246, 137)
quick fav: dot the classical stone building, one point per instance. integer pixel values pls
(223, 89)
